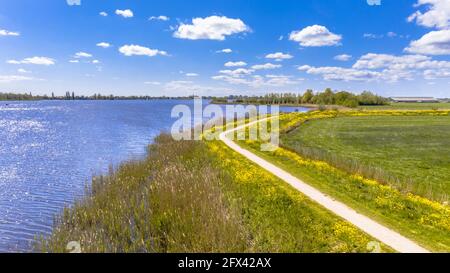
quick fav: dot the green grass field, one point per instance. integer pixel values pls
(409, 106)
(413, 149)
(345, 179)
(194, 196)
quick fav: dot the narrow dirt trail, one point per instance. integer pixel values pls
(364, 223)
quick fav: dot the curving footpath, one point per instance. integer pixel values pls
(369, 226)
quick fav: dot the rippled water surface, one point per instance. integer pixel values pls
(49, 150)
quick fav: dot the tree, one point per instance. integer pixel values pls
(307, 97)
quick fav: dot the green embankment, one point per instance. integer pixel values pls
(410, 106)
(412, 149)
(423, 220)
(198, 197)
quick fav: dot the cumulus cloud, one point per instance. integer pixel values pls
(127, 13)
(159, 18)
(237, 72)
(377, 61)
(104, 44)
(432, 43)
(436, 15)
(343, 57)
(152, 83)
(82, 55)
(183, 88)
(225, 50)
(4, 32)
(103, 13)
(315, 36)
(23, 71)
(265, 66)
(432, 74)
(383, 67)
(257, 81)
(279, 56)
(191, 75)
(137, 50)
(34, 60)
(332, 73)
(210, 28)
(235, 64)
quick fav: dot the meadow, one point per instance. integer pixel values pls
(192, 196)
(414, 150)
(392, 203)
(409, 106)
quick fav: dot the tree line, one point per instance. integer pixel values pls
(73, 96)
(327, 97)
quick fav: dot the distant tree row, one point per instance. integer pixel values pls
(25, 96)
(327, 97)
(72, 96)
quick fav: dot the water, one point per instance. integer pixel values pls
(49, 151)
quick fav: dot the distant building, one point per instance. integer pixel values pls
(414, 99)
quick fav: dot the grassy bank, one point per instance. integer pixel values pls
(198, 197)
(410, 106)
(418, 218)
(410, 152)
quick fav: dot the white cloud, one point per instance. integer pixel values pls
(4, 32)
(343, 57)
(152, 83)
(315, 36)
(191, 75)
(257, 81)
(210, 28)
(237, 72)
(82, 55)
(131, 50)
(279, 56)
(185, 88)
(104, 45)
(34, 60)
(14, 78)
(74, 61)
(383, 67)
(95, 61)
(159, 18)
(265, 66)
(73, 2)
(104, 14)
(392, 34)
(432, 43)
(378, 61)
(280, 80)
(235, 64)
(332, 73)
(436, 15)
(373, 36)
(127, 13)
(225, 50)
(23, 71)
(431, 74)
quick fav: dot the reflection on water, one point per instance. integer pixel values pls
(50, 149)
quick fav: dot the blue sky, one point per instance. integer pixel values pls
(173, 47)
